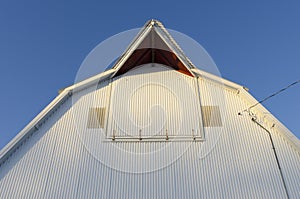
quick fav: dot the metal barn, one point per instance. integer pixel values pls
(152, 126)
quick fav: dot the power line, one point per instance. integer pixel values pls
(274, 94)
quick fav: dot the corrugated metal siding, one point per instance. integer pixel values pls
(65, 159)
(289, 160)
(96, 117)
(154, 99)
(26, 173)
(246, 147)
(211, 116)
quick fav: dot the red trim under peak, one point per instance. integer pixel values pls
(153, 55)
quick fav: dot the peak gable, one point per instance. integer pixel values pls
(153, 45)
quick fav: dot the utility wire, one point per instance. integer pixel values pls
(281, 90)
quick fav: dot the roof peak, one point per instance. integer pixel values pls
(153, 22)
(153, 44)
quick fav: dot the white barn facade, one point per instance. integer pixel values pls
(152, 126)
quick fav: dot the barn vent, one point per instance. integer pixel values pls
(211, 116)
(96, 118)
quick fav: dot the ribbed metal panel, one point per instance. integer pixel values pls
(255, 171)
(26, 173)
(211, 116)
(153, 101)
(289, 160)
(96, 117)
(66, 159)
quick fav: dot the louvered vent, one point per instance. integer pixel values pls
(211, 116)
(96, 118)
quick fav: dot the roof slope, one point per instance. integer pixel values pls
(64, 153)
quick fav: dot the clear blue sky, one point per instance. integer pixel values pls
(42, 44)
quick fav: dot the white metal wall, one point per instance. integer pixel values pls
(154, 100)
(64, 159)
(289, 161)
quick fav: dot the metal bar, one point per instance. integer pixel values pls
(201, 114)
(276, 157)
(108, 107)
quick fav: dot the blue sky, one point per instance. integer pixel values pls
(42, 44)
